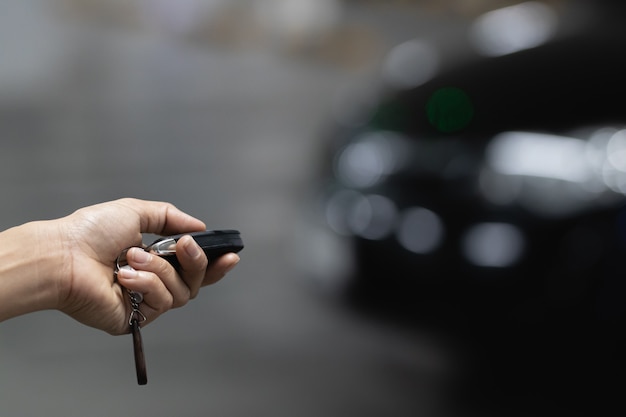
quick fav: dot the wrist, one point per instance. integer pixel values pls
(32, 269)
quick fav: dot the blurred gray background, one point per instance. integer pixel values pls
(218, 107)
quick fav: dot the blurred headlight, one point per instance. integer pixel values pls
(554, 175)
(539, 155)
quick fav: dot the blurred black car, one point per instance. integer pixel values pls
(488, 203)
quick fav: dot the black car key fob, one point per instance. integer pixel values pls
(214, 243)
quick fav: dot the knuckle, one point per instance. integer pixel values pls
(183, 299)
(164, 300)
(161, 266)
(166, 304)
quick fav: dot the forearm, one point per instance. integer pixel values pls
(29, 267)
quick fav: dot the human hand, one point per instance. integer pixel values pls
(94, 236)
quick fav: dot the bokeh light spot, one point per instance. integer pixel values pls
(449, 109)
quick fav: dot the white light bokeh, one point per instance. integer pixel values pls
(372, 217)
(556, 175)
(336, 210)
(612, 160)
(539, 155)
(410, 64)
(420, 230)
(363, 164)
(366, 162)
(493, 244)
(616, 150)
(513, 28)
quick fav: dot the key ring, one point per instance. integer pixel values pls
(135, 319)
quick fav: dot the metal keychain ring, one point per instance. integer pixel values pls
(120, 261)
(136, 297)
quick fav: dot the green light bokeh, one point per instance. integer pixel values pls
(449, 109)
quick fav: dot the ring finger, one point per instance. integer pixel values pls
(159, 273)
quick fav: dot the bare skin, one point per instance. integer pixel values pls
(67, 264)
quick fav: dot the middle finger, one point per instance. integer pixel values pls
(141, 260)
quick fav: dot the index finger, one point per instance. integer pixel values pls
(162, 218)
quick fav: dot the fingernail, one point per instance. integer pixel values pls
(140, 256)
(127, 272)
